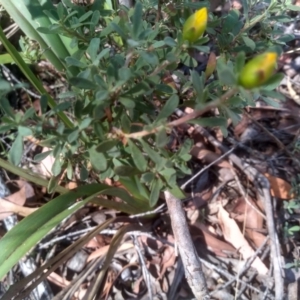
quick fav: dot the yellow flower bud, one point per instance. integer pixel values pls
(195, 25)
(258, 70)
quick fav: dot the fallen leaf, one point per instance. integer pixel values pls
(8, 208)
(168, 260)
(212, 242)
(256, 237)
(245, 213)
(234, 236)
(279, 187)
(13, 204)
(47, 163)
(207, 156)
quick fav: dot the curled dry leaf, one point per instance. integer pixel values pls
(279, 187)
(234, 236)
(207, 156)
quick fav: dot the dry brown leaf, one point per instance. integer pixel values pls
(8, 208)
(279, 187)
(243, 212)
(207, 156)
(72, 185)
(58, 280)
(234, 236)
(14, 202)
(256, 237)
(168, 260)
(220, 248)
(47, 163)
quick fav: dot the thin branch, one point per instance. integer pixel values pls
(186, 118)
(188, 254)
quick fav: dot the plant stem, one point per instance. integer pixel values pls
(186, 118)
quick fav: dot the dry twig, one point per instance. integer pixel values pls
(188, 254)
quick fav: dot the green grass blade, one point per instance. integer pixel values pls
(28, 232)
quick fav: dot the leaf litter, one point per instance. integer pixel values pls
(226, 216)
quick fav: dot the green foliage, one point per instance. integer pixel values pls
(119, 103)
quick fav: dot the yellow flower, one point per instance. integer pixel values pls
(258, 70)
(195, 25)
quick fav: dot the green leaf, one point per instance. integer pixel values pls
(170, 41)
(56, 168)
(137, 20)
(225, 73)
(127, 102)
(147, 177)
(29, 113)
(6, 107)
(124, 73)
(73, 136)
(83, 83)
(164, 88)
(93, 48)
(136, 188)
(24, 131)
(293, 7)
(44, 103)
(70, 170)
(84, 173)
(5, 87)
(105, 146)
(249, 43)
(158, 44)
(155, 191)
(41, 156)
(126, 171)
(154, 156)
(273, 82)
(16, 151)
(245, 7)
(188, 60)
(161, 139)
(29, 231)
(177, 192)
(138, 157)
(101, 96)
(97, 159)
(71, 61)
(85, 16)
(198, 85)
(240, 61)
(149, 57)
(168, 108)
(235, 118)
